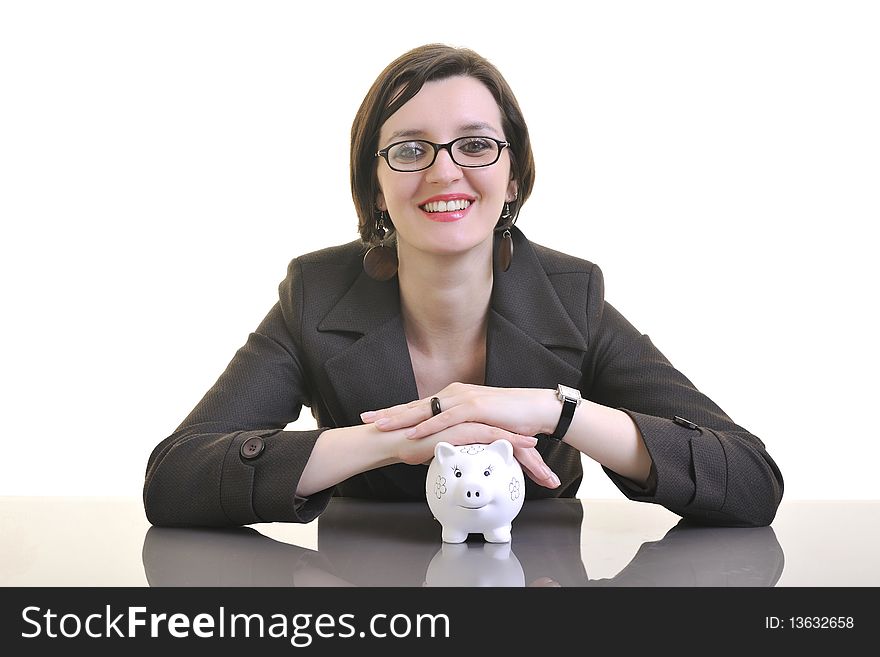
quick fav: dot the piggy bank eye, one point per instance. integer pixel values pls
(487, 473)
(456, 471)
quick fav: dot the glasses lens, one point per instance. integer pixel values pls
(410, 155)
(475, 151)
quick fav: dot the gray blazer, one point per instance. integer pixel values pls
(335, 342)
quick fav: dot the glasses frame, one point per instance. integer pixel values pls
(383, 153)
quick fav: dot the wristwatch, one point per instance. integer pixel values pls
(571, 399)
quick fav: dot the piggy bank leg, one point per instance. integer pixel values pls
(499, 535)
(451, 535)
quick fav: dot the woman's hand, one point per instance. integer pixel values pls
(526, 411)
(475, 414)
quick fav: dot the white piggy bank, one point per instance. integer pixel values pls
(475, 489)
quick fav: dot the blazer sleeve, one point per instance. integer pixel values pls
(706, 467)
(231, 462)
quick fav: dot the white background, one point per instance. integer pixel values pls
(161, 162)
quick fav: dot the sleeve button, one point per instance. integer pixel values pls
(684, 422)
(252, 448)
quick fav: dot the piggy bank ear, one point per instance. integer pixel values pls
(504, 449)
(443, 452)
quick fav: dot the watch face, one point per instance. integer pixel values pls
(568, 393)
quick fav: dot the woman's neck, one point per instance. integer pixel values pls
(445, 300)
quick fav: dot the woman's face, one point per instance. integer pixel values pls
(441, 111)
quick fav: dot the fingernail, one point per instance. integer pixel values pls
(554, 480)
(532, 441)
(366, 416)
(409, 433)
(383, 422)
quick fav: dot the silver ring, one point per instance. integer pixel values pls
(435, 406)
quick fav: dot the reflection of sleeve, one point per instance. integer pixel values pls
(203, 474)
(239, 556)
(706, 467)
(693, 555)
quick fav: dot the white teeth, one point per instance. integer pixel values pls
(446, 206)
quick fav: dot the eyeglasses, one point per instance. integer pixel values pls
(417, 155)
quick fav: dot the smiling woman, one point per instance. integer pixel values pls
(470, 171)
(444, 323)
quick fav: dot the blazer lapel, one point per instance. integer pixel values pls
(374, 370)
(532, 341)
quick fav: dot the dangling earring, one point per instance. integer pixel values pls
(380, 262)
(505, 246)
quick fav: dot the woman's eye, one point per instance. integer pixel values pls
(475, 146)
(408, 152)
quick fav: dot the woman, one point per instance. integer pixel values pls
(452, 327)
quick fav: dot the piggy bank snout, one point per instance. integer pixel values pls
(473, 494)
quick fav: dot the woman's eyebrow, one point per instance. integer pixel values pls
(479, 125)
(462, 129)
(406, 133)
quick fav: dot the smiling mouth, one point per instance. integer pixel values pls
(472, 508)
(445, 206)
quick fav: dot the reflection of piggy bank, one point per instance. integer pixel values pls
(475, 565)
(475, 489)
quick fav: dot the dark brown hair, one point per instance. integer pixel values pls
(398, 83)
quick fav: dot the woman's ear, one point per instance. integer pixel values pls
(512, 191)
(380, 202)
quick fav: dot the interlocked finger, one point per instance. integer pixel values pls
(411, 414)
(473, 432)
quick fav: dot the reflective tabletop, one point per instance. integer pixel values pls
(570, 543)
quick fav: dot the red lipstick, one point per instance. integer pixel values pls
(434, 208)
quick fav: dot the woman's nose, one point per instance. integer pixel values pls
(444, 170)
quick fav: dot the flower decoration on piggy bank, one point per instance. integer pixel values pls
(475, 489)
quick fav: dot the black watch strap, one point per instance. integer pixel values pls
(568, 406)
